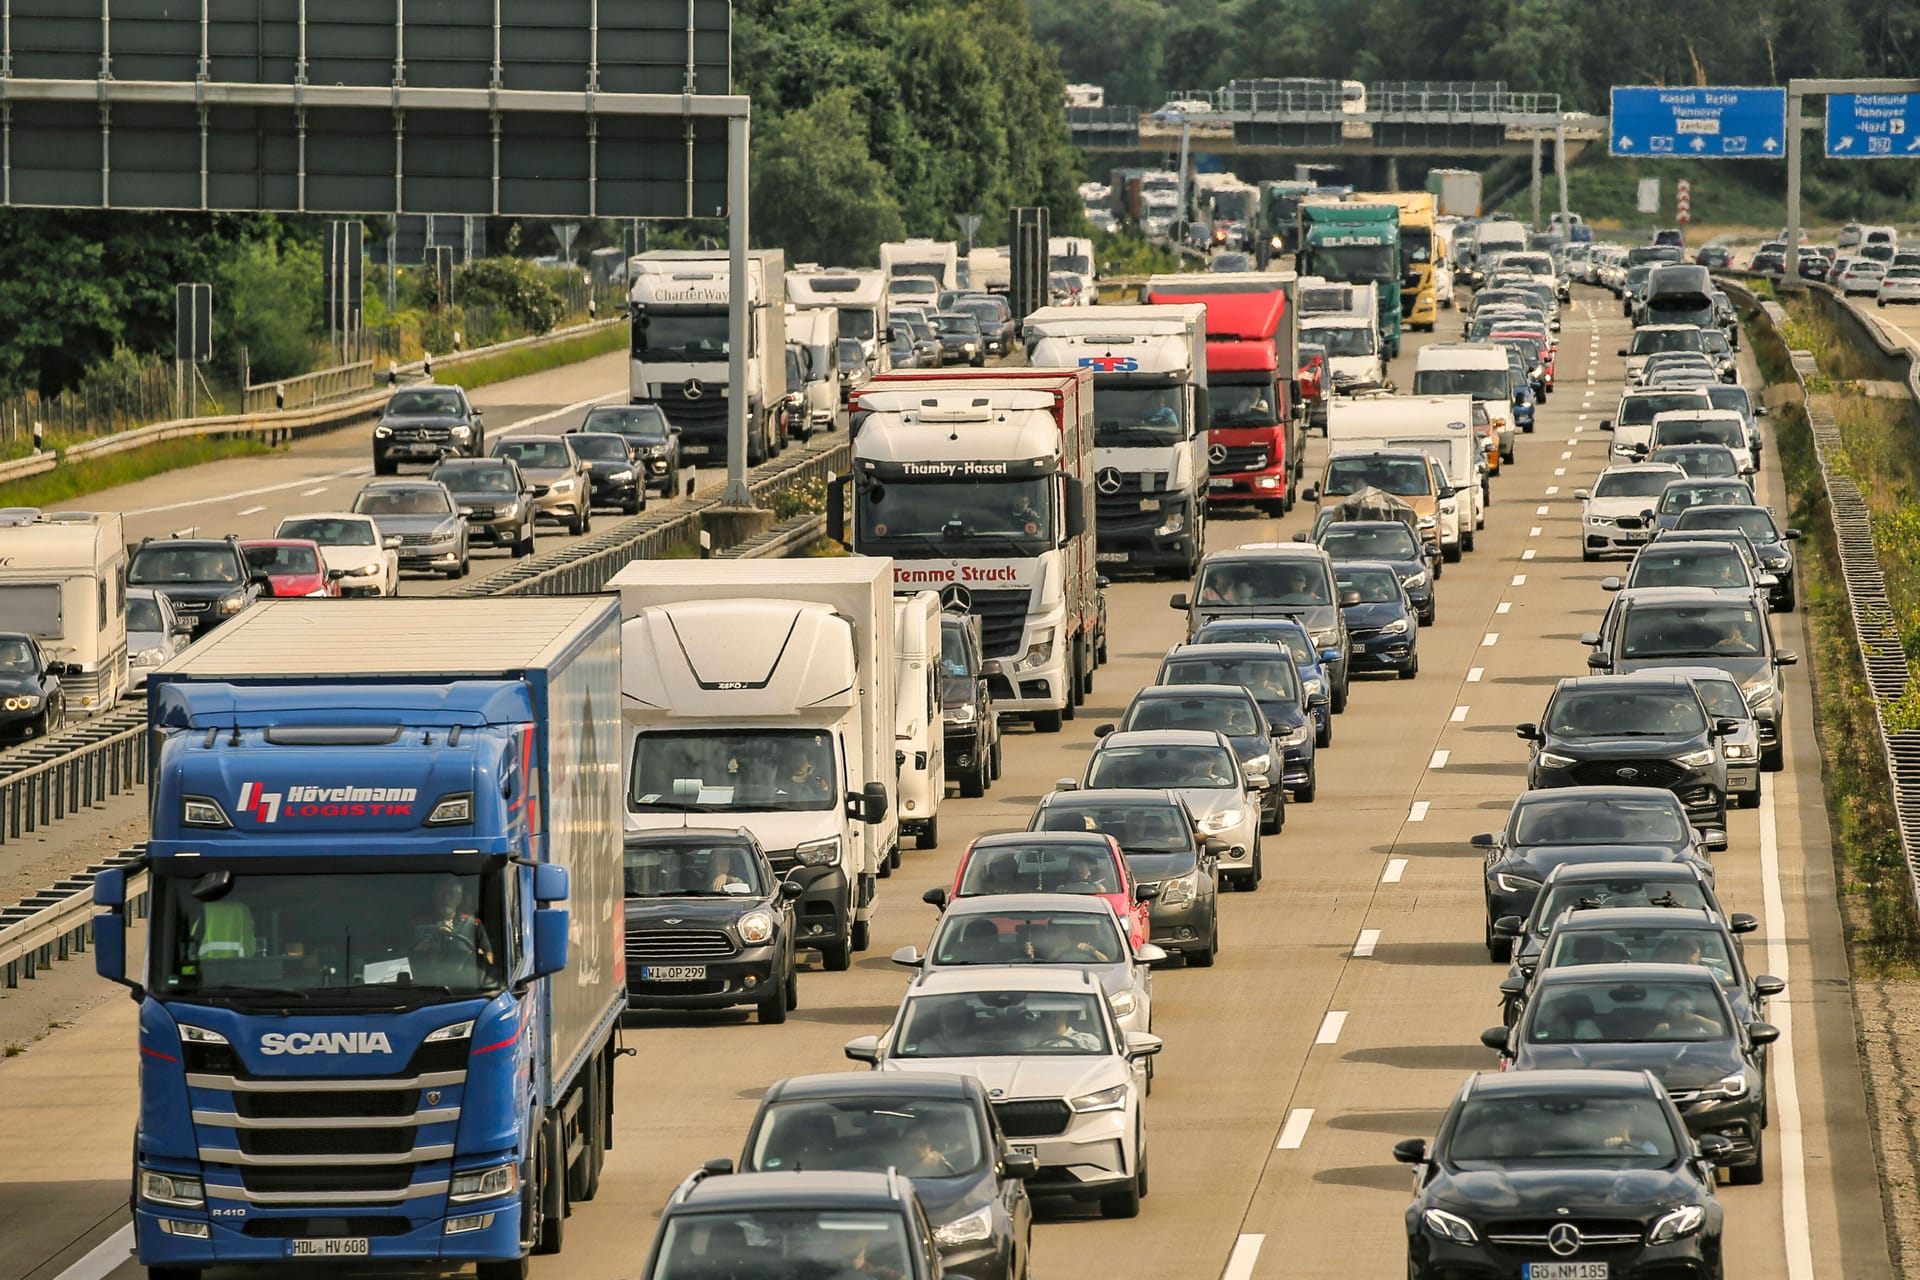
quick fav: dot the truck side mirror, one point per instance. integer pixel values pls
(550, 926)
(1076, 511)
(110, 931)
(872, 803)
(837, 497)
(551, 883)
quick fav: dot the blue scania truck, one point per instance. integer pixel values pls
(386, 959)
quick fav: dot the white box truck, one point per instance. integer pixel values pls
(1439, 426)
(63, 581)
(760, 693)
(678, 304)
(919, 730)
(938, 260)
(859, 298)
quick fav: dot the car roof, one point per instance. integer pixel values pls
(1164, 737)
(789, 1190)
(1055, 903)
(1624, 972)
(1005, 978)
(411, 482)
(1141, 796)
(1364, 524)
(328, 515)
(1220, 649)
(1640, 918)
(537, 439)
(1271, 551)
(1637, 596)
(1586, 1083)
(278, 542)
(1168, 692)
(222, 543)
(878, 1084)
(1634, 679)
(1624, 870)
(1024, 839)
(1691, 672)
(1642, 468)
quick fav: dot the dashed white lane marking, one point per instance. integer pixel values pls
(1527, 554)
(251, 511)
(1396, 867)
(1540, 510)
(1565, 454)
(1294, 1131)
(1439, 759)
(1490, 639)
(1552, 489)
(1559, 471)
(1474, 674)
(1246, 1250)
(1505, 606)
(1459, 714)
(1583, 417)
(1417, 812)
(308, 493)
(1330, 1027)
(1364, 944)
(1519, 579)
(1534, 531)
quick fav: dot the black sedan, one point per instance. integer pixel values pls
(1639, 731)
(656, 443)
(32, 704)
(1672, 1020)
(1380, 618)
(709, 925)
(961, 341)
(1232, 710)
(1544, 1173)
(619, 475)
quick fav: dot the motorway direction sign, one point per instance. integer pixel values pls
(1872, 126)
(1699, 123)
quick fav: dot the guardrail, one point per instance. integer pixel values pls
(1882, 655)
(309, 389)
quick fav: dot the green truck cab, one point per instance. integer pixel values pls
(1356, 244)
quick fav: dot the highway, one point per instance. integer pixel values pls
(1348, 999)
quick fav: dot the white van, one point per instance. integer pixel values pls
(919, 733)
(1352, 343)
(63, 581)
(1477, 369)
(1879, 243)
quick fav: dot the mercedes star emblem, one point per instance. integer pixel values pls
(1108, 480)
(957, 597)
(692, 390)
(1626, 775)
(1564, 1239)
(1216, 454)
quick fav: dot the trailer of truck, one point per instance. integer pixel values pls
(63, 581)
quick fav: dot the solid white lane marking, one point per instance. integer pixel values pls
(1439, 759)
(308, 493)
(104, 1259)
(1364, 944)
(1418, 811)
(1533, 531)
(184, 533)
(1527, 554)
(1519, 579)
(1474, 674)
(1396, 867)
(1330, 1027)
(1490, 639)
(1459, 714)
(1294, 1131)
(1505, 606)
(1793, 1169)
(1240, 1262)
(251, 511)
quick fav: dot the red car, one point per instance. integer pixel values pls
(1051, 862)
(294, 566)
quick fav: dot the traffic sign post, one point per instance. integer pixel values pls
(1872, 126)
(1704, 123)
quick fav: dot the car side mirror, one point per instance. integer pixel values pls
(1590, 638)
(1495, 1038)
(1145, 892)
(936, 898)
(1310, 494)
(1606, 424)
(1767, 580)
(1762, 1032)
(1349, 598)
(863, 1049)
(1760, 411)
(1785, 658)
(1529, 732)
(1791, 535)
(391, 543)
(1514, 984)
(907, 957)
(1066, 784)
(719, 1167)
(1713, 839)
(1149, 954)
(1508, 927)
(334, 575)
(1599, 662)
(1300, 537)
(1329, 655)
(1715, 1147)
(1019, 1166)
(1741, 922)
(1583, 494)
(1482, 841)
(1102, 730)
(1178, 601)
(182, 628)
(1143, 1044)
(1610, 584)
(1410, 1151)
(1765, 985)
(791, 889)
(1623, 351)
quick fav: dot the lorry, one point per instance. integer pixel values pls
(938, 260)
(1282, 216)
(759, 694)
(1356, 244)
(678, 304)
(1439, 426)
(1455, 191)
(386, 956)
(989, 270)
(816, 332)
(980, 485)
(1419, 299)
(1256, 443)
(1074, 255)
(63, 581)
(1150, 443)
(1237, 216)
(919, 728)
(859, 299)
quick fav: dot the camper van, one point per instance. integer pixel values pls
(63, 581)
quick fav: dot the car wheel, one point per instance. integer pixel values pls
(862, 935)
(1304, 795)
(1125, 1203)
(1589, 555)
(578, 525)
(996, 757)
(835, 957)
(1412, 669)
(772, 1009)
(1773, 759)
(1451, 554)
(1323, 735)
(1048, 721)
(1499, 950)
(1466, 538)
(793, 984)
(1340, 697)
(973, 783)
(929, 834)
(638, 502)
(1270, 826)
(524, 546)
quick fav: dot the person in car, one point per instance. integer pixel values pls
(1683, 1022)
(1060, 1033)
(1083, 875)
(954, 1035)
(1568, 1019)
(728, 875)
(1061, 944)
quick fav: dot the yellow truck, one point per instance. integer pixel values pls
(1419, 299)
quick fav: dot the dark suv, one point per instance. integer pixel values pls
(1528, 1171)
(801, 1224)
(1637, 731)
(494, 497)
(208, 580)
(656, 444)
(937, 1129)
(709, 924)
(970, 725)
(426, 424)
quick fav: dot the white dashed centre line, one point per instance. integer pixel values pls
(1418, 811)
(1330, 1027)
(1294, 1131)
(1559, 471)
(1567, 453)
(1505, 606)
(1540, 511)
(1552, 489)
(1519, 579)
(1490, 639)
(1396, 867)
(1527, 554)
(1459, 714)
(1364, 944)
(1534, 531)
(1439, 759)
(1474, 674)
(1246, 1250)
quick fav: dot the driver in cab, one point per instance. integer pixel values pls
(450, 935)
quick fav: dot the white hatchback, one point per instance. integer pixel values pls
(352, 546)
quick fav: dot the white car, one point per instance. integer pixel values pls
(1900, 284)
(369, 564)
(1615, 513)
(1858, 275)
(1067, 1083)
(1181, 109)
(155, 633)
(1443, 285)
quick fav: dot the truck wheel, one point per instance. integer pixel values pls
(835, 957)
(928, 836)
(862, 934)
(552, 1186)
(757, 447)
(583, 1178)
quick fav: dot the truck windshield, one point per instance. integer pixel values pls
(1243, 404)
(1078, 264)
(919, 518)
(1481, 384)
(292, 937)
(856, 323)
(681, 335)
(1357, 263)
(1416, 245)
(1139, 416)
(733, 770)
(1356, 340)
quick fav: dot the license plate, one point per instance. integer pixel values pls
(1635, 535)
(693, 451)
(1566, 1271)
(343, 1247)
(1024, 1149)
(1110, 557)
(673, 973)
(1220, 482)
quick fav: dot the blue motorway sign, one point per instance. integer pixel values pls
(1699, 123)
(1872, 126)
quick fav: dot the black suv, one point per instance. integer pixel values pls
(1770, 541)
(32, 704)
(617, 469)
(719, 1224)
(937, 1129)
(709, 925)
(494, 497)
(970, 724)
(1529, 1168)
(656, 443)
(1638, 731)
(426, 424)
(208, 580)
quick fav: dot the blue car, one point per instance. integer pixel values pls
(1315, 679)
(1274, 682)
(1390, 541)
(1380, 617)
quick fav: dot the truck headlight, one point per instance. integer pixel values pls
(977, 1225)
(177, 1190)
(818, 853)
(756, 927)
(485, 1184)
(1039, 653)
(1175, 523)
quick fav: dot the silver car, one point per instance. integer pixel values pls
(1720, 694)
(1201, 765)
(154, 633)
(562, 481)
(426, 519)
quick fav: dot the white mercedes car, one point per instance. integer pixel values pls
(1616, 514)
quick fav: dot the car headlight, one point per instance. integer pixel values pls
(657, 450)
(1296, 736)
(1683, 1221)
(1328, 639)
(145, 658)
(562, 485)
(1426, 522)
(818, 853)
(444, 534)
(756, 927)
(232, 604)
(1313, 687)
(1122, 1003)
(1414, 580)
(1734, 1086)
(1760, 695)
(1450, 1226)
(382, 432)
(1039, 653)
(1599, 521)
(620, 477)
(962, 714)
(1214, 823)
(977, 1225)
(462, 433)
(1395, 628)
(1511, 883)
(1696, 759)
(1553, 760)
(178, 1190)
(365, 570)
(485, 1184)
(1177, 892)
(1739, 751)
(1112, 1099)
(24, 702)
(507, 511)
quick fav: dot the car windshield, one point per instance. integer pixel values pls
(640, 421)
(1632, 484)
(920, 1137)
(919, 517)
(1029, 937)
(851, 354)
(1699, 431)
(294, 937)
(732, 771)
(1375, 586)
(1481, 384)
(1717, 566)
(1274, 679)
(601, 447)
(282, 559)
(1041, 867)
(1562, 1129)
(158, 565)
(425, 404)
(17, 655)
(1694, 631)
(1626, 1013)
(1726, 395)
(143, 614)
(1595, 712)
(1649, 340)
(1253, 582)
(1638, 410)
(1618, 891)
(783, 1243)
(494, 479)
(1665, 945)
(1573, 819)
(417, 500)
(1298, 644)
(548, 454)
(1194, 766)
(331, 532)
(1135, 416)
(1345, 340)
(1722, 698)
(1370, 542)
(679, 869)
(1705, 462)
(962, 324)
(1002, 1024)
(1402, 477)
(1234, 716)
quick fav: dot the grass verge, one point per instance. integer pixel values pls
(67, 482)
(530, 360)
